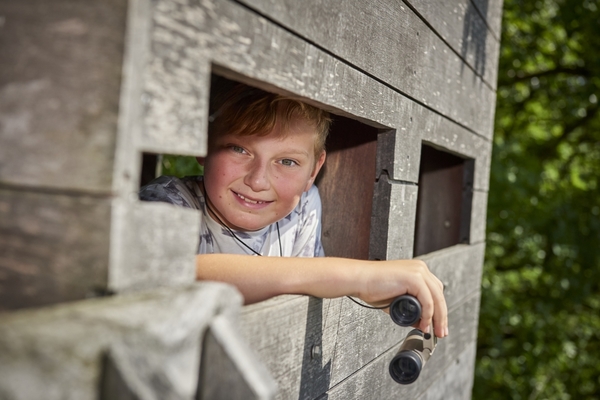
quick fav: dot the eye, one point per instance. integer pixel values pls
(237, 149)
(288, 162)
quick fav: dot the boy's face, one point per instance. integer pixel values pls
(254, 181)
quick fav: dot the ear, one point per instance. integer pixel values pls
(318, 164)
(201, 160)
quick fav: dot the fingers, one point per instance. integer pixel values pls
(430, 293)
(387, 280)
(440, 313)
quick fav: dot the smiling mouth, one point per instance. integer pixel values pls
(250, 200)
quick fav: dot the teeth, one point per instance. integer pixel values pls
(248, 200)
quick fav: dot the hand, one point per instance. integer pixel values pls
(385, 280)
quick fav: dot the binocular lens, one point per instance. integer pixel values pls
(406, 367)
(405, 310)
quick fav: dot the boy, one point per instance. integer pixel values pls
(257, 198)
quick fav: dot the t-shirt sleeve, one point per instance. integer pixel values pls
(308, 236)
(170, 189)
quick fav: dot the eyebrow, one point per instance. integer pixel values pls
(295, 152)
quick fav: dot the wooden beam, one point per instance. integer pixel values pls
(390, 42)
(59, 92)
(54, 247)
(460, 24)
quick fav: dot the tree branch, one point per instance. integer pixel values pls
(520, 77)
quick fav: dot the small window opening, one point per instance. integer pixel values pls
(444, 201)
(155, 165)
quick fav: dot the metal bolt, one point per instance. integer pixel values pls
(316, 351)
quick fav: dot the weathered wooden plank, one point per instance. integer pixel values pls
(393, 220)
(289, 333)
(357, 324)
(57, 352)
(373, 380)
(451, 138)
(459, 268)
(389, 41)
(478, 216)
(461, 25)
(129, 374)
(152, 244)
(59, 92)
(492, 13)
(301, 374)
(229, 369)
(456, 382)
(176, 91)
(250, 48)
(399, 152)
(54, 247)
(286, 330)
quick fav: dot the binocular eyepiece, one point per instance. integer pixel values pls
(416, 348)
(405, 310)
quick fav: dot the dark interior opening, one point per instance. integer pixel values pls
(346, 184)
(444, 201)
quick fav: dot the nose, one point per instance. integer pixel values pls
(257, 176)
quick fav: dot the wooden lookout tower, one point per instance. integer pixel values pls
(97, 291)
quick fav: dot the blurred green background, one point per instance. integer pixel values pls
(539, 332)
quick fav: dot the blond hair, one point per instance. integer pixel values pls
(245, 111)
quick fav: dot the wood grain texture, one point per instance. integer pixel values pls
(59, 92)
(456, 382)
(356, 324)
(492, 13)
(459, 268)
(153, 244)
(449, 137)
(400, 153)
(128, 374)
(285, 331)
(393, 220)
(243, 47)
(53, 248)
(373, 380)
(57, 352)
(389, 41)
(460, 24)
(229, 370)
(478, 216)
(176, 81)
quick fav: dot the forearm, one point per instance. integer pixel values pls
(376, 282)
(259, 278)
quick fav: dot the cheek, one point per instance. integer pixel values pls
(290, 188)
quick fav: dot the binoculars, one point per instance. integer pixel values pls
(416, 348)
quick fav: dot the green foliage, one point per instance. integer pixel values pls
(539, 333)
(180, 166)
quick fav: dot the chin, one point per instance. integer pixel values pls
(251, 226)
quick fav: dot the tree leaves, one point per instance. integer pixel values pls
(539, 333)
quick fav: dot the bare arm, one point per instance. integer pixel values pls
(376, 282)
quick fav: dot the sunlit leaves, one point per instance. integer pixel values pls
(540, 315)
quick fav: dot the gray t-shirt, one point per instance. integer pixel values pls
(299, 232)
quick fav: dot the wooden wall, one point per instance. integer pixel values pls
(91, 86)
